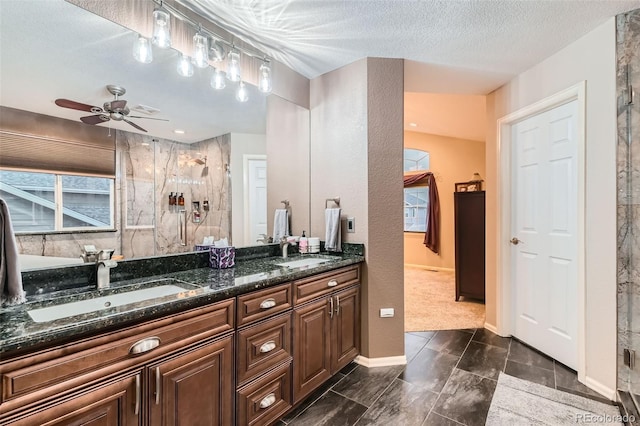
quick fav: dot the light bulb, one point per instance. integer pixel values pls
(200, 51)
(264, 82)
(185, 68)
(217, 80)
(161, 28)
(216, 51)
(242, 94)
(142, 50)
(233, 66)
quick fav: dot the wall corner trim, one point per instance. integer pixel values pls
(492, 328)
(381, 362)
(602, 389)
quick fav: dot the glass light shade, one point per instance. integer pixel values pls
(264, 82)
(161, 29)
(218, 80)
(216, 51)
(200, 51)
(142, 50)
(242, 94)
(233, 66)
(185, 67)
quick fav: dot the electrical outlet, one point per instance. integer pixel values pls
(351, 225)
(387, 312)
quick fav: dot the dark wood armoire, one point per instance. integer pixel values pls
(469, 242)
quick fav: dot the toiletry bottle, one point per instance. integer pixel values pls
(205, 205)
(303, 246)
(181, 200)
(172, 202)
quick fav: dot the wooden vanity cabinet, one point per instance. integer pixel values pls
(326, 330)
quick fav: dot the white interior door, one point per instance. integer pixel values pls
(544, 270)
(257, 200)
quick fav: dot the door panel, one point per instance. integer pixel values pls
(345, 328)
(257, 207)
(544, 220)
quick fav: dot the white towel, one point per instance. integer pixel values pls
(11, 291)
(333, 236)
(280, 224)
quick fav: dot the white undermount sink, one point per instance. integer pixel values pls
(65, 310)
(303, 262)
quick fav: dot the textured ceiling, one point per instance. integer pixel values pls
(484, 41)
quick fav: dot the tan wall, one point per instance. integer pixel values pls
(591, 58)
(451, 160)
(356, 154)
(287, 162)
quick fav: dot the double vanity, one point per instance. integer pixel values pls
(174, 341)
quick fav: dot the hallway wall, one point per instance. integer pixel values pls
(591, 59)
(451, 160)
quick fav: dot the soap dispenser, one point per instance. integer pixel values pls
(302, 245)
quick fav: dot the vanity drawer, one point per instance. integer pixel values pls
(63, 368)
(265, 400)
(262, 346)
(263, 303)
(319, 285)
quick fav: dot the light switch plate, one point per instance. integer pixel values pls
(387, 312)
(351, 225)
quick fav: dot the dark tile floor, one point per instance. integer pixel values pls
(449, 380)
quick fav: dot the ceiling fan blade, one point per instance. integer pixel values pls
(94, 119)
(148, 118)
(134, 125)
(66, 103)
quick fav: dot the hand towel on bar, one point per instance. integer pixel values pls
(333, 237)
(280, 224)
(11, 291)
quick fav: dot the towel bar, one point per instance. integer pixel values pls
(335, 200)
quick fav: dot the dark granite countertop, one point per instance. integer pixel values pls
(19, 333)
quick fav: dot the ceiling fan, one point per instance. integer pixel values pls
(116, 109)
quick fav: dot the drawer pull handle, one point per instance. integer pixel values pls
(331, 307)
(158, 384)
(332, 283)
(144, 345)
(337, 305)
(268, 303)
(268, 400)
(268, 346)
(138, 396)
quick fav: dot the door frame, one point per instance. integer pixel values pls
(245, 189)
(504, 318)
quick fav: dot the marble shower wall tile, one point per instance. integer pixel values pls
(628, 209)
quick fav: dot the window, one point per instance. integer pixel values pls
(46, 202)
(416, 208)
(415, 159)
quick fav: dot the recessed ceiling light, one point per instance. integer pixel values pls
(179, 131)
(413, 125)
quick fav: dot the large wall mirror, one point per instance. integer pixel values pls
(219, 166)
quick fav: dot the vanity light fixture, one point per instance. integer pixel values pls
(200, 50)
(233, 65)
(216, 51)
(264, 77)
(142, 50)
(185, 67)
(218, 79)
(161, 28)
(242, 95)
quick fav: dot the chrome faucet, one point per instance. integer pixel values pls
(284, 245)
(103, 268)
(262, 239)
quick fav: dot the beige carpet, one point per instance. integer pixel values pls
(429, 303)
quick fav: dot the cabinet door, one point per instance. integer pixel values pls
(345, 328)
(195, 388)
(116, 404)
(312, 351)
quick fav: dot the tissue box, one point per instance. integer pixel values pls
(222, 257)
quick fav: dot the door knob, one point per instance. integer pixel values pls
(515, 241)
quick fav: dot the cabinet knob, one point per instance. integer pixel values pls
(268, 346)
(332, 283)
(515, 241)
(268, 303)
(268, 400)
(144, 345)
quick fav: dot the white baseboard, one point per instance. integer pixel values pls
(492, 328)
(381, 362)
(602, 389)
(434, 268)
